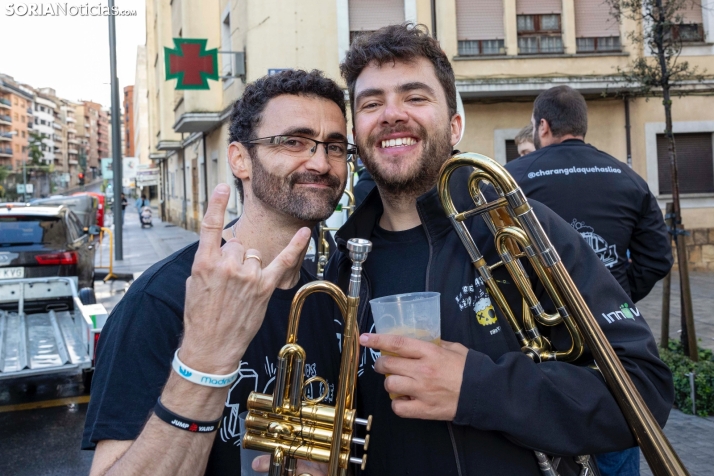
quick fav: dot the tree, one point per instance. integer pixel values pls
(661, 29)
(34, 150)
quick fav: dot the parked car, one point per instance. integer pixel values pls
(99, 198)
(85, 207)
(42, 241)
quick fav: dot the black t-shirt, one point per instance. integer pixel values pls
(143, 332)
(391, 269)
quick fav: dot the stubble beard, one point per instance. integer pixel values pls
(420, 176)
(305, 204)
(536, 139)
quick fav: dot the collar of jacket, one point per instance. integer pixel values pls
(432, 214)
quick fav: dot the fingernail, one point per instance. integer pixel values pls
(223, 189)
(363, 339)
(305, 232)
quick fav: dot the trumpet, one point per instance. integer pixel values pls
(519, 235)
(323, 246)
(291, 426)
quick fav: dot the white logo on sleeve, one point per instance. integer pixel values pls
(606, 253)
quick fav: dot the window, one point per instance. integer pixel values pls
(23, 118)
(481, 47)
(688, 33)
(227, 60)
(15, 116)
(598, 45)
(695, 163)
(479, 27)
(23, 134)
(539, 34)
(511, 150)
(691, 30)
(371, 15)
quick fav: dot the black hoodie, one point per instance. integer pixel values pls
(508, 405)
(607, 203)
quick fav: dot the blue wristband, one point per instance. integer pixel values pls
(200, 378)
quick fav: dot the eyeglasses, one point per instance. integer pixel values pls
(298, 146)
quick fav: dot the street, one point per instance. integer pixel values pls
(41, 419)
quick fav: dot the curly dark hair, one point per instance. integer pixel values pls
(406, 42)
(247, 111)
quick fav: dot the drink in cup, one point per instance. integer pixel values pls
(414, 315)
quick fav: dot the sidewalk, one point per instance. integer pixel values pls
(142, 248)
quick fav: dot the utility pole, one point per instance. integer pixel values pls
(116, 138)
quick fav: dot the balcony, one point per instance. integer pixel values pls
(6, 136)
(30, 111)
(6, 152)
(73, 162)
(5, 103)
(70, 119)
(72, 141)
(5, 119)
(57, 126)
(73, 151)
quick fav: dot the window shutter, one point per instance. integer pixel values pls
(695, 163)
(692, 12)
(479, 20)
(371, 15)
(592, 19)
(538, 7)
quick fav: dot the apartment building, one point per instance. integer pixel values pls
(504, 53)
(16, 122)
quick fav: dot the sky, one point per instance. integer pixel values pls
(70, 53)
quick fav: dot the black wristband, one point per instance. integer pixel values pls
(184, 423)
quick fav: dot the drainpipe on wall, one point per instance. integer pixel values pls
(205, 174)
(433, 18)
(184, 217)
(627, 131)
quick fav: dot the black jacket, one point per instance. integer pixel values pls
(608, 203)
(510, 405)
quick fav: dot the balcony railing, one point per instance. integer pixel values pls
(30, 111)
(5, 136)
(5, 102)
(73, 151)
(6, 151)
(5, 118)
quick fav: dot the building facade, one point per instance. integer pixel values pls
(504, 53)
(16, 122)
(128, 121)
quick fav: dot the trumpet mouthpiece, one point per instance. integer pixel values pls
(358, 249)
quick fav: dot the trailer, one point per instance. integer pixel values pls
(46, 328)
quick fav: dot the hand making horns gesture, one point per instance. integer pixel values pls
(228, 291)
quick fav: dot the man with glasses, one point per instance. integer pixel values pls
(219, 307)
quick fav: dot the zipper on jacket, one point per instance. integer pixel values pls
(426, 288)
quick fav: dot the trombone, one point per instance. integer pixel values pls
(291, 426)
(518, 234)
(323, 246)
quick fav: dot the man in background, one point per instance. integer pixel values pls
(604, 200)
(524, 141)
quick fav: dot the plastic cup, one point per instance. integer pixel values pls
(247, 456)
(414, 315)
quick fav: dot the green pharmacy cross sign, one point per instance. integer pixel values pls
(191, 63)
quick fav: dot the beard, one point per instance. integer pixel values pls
(418, 177)
(305, 204)
(536, 139)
